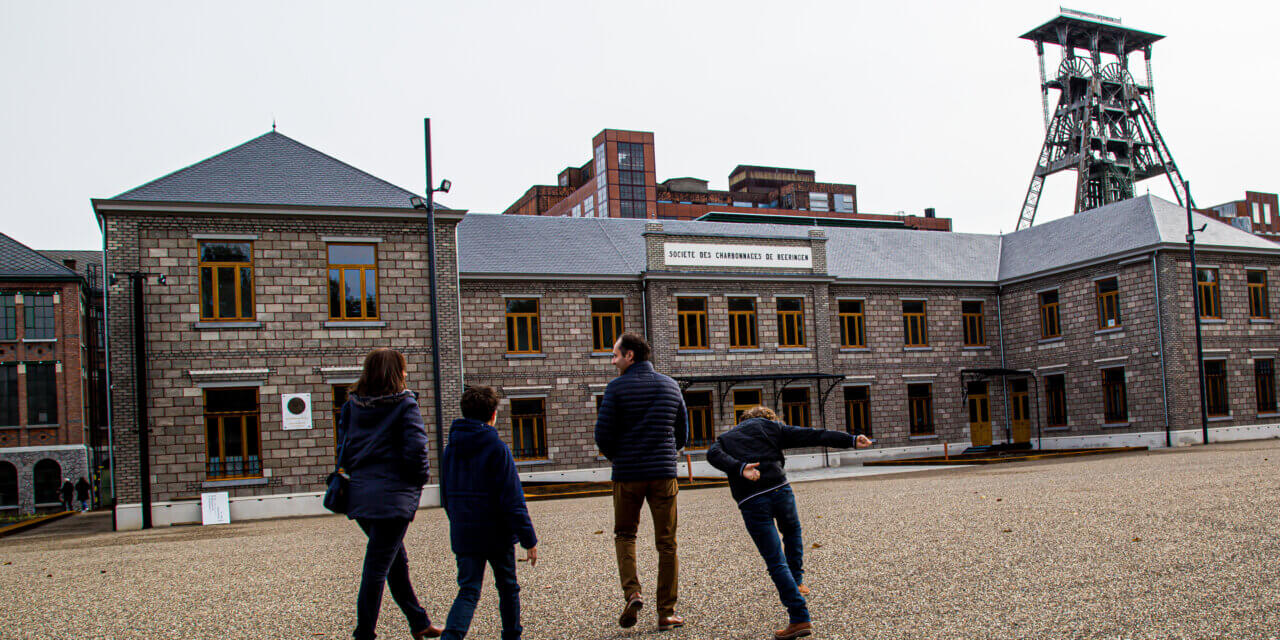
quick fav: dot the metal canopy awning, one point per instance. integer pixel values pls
(974, 374)
(725, 384)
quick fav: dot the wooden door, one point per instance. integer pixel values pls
(1020, 410)
(979, 414)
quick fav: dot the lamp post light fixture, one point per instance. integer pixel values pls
(429, 205)
(137, 317)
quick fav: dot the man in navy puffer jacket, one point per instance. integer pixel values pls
(641, 426)
(481, 492)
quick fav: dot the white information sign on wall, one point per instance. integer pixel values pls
(215, 508)
(680, 254)
(295, 409)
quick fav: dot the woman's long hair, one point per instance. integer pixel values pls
(383, 374)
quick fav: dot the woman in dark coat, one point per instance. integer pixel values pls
(384, 451)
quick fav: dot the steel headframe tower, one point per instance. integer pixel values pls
(1104, 125)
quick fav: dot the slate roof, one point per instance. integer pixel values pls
(20, 262)
(1118, 228)
(84, 259)
(513, 244)
(273, 169)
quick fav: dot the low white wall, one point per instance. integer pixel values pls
(163, 514)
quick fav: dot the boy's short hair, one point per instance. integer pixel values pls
(760, 411)
(636, 344)
(479, 402)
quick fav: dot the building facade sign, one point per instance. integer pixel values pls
(681, 254)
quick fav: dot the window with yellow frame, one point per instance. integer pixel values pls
(606, 323)
(226, 280)
(353, 281)
(524, 333)
(691, 321)
(528, 428)
(742, 323)
(232, 434)
(744, 399)
(853, 334)
(791, 322)
(1207, 287)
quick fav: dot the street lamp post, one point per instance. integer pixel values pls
(1195, 290)
(429, 205)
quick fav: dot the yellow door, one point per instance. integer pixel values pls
(979, 415)
(1021, 410)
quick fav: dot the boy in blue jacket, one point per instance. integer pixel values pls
(481, 492)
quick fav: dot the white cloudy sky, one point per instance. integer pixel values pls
(919, 104)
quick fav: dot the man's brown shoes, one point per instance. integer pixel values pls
(804, 591)
(793, 630)
(431, 631)
(667, 623)
(631, 611)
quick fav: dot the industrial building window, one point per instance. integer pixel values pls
(1115, 403)
(744, 399)
(606, 323)
(791, 322)
(524, 335)
(1264, 380)
(353, 282)
(691, 318)
(1055, 395)
(46, 478)
(631, 196)
(975, 334)
(8, 395)
(1215, 388)
(857, 409)
(920, 409)
(914, 323)
(702, 429)
(8, 317)
(1207, 286)
(226, 280)
(795, 407)
(339, 399)
(852, 324)
(8, 484)
(742, 323)
(38, 315)
(844, 202)
(1049, 327)
(1108, 294)
(42, 393)
(232, 433)
(1259, 306)
(819, 202)
(529, 428)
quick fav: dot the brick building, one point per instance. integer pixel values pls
(89, 265)
(1257, 213)
(619, 181)
(282, 268)
(876, 329)
(1071, 332)
(43, 379)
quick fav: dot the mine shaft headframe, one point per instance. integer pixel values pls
(1103, 126)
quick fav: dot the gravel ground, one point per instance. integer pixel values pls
(1169, 544)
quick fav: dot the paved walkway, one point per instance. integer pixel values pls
(1155, 545)
(80, 524)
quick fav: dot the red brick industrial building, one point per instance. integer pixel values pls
(619, 181)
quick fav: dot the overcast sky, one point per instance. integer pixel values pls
(919, 104)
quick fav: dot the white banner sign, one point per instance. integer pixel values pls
(215, 508)
(295, 408)
(737, 255)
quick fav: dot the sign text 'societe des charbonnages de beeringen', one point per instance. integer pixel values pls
(736, 255)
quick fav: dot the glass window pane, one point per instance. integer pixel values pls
(606, 305)
(234, 437)
(850, 306)
(351, 254)
(351, 285)
(789, 304)
(742, 304)
(246, 292)
(370, 293)
(223, 400)
(335, 293)
(522, 305)
(206, 292)
(226, 294)
(691, 304)
(913, 306)
(225, 251)
(971, 307)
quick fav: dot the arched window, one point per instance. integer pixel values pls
(48, 478)
(8, 484)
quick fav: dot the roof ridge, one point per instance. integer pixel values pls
(612, 243)
(192, 165)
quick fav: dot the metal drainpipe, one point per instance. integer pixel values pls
(1008, 425)
(644, 306)
(1164, 381)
